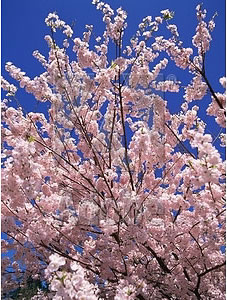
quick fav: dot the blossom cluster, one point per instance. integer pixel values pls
(54, 22)
(69, 285)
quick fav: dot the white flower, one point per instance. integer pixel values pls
(158, 19)
(55, 262)
(223, 81)
(68, 31)
(74, 266)
(165, 11)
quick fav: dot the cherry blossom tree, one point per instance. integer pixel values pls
(110, 195)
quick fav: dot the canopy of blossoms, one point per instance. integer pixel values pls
(96, 201)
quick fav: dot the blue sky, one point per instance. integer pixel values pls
(23, 31)
(23, 26)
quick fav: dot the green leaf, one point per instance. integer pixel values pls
(168, 16)
(113, 65)
(31, 139)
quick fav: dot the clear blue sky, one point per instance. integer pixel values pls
(23, 31)
(23, 27)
